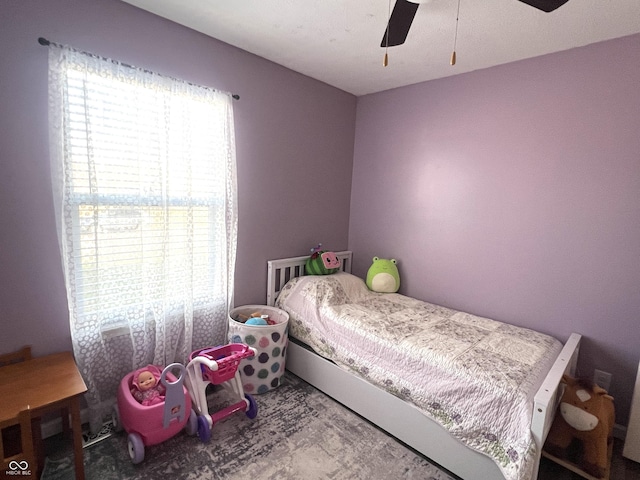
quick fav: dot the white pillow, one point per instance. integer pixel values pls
(354, 287)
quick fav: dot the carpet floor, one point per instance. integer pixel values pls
(299, 433)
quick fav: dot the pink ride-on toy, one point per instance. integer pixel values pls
(152, 424)
(218, 366)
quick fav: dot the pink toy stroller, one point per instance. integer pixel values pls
(218, 366)
(159, 421)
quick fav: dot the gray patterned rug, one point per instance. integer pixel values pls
(299, 433)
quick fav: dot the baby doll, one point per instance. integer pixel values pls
(147, 388)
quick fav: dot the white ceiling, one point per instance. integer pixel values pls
(338, 41)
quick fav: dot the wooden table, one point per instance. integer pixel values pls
(45, 384)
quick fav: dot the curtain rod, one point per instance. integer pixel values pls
(44, 42)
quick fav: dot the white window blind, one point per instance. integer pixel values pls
(147, 194)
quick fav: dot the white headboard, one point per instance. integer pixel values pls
(281, 271)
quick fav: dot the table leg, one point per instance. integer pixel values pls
(76, 426)
(38, 446)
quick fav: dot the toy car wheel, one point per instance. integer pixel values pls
(136, 448)
(192, 423)
(115, 419)
(204, 432)
(252, 411)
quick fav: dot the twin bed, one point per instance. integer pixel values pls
(474, 395)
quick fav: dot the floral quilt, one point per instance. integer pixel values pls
(475, 376)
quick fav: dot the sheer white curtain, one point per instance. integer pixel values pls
(144, 182)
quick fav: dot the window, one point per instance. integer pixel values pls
(143, 170)
(147, 194)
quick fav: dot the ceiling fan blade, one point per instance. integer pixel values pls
(399, 23)
(545, 5)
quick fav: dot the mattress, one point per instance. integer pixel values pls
(474, 376)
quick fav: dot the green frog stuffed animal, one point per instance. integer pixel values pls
(383, 276)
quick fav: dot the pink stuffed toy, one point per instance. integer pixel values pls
(147, 388)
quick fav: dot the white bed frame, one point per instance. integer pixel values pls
(403, 420)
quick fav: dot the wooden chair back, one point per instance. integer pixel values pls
(22, 463)
(21, 355)
(17, 442)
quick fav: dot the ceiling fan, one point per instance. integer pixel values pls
(404, 11)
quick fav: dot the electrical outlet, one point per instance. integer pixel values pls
(602, 379)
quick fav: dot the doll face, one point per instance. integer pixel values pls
(146, 381)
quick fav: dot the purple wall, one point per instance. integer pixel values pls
(290, 129)
(514, 193)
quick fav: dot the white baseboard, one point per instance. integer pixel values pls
(54, 426)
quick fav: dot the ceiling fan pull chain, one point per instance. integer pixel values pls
(455, 39)
(385, 60)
